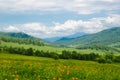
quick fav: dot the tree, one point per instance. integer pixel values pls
(101, 60)
(117, 59)
(29, 52)
(65, 55)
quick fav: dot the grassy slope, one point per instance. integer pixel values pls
(21, 38)
(54, 49)
(31, 68)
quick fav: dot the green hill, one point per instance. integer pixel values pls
(20, 38)
(105, 37)
(13, 40)
(15, 35)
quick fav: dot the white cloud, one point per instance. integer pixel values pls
(79, 6)
(113, 20)
(11, 29)
(67, 28)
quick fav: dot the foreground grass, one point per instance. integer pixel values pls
(19, 67)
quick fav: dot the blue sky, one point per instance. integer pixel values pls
(54, 18)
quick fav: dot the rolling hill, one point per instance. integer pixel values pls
(15, 35)
(20, 38)
(105, 37)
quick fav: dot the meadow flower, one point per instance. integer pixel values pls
(68, 72)
(6, 79)
(59, 78)
(34, 73)
(54, 78)
(65, 66)
(16, 78)
(76, 78)
(13, 75)
(73, 78)
(38, 77)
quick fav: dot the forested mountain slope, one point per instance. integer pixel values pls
(20, 38)
(106, 37)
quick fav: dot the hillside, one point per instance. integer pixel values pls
(20, 38)
(106, 37)
(15, 35)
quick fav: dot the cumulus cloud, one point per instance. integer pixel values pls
(11, 29)
(79, 6)
(67, 28)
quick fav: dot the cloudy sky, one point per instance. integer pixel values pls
(51, 18)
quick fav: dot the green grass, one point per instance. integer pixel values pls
(13, 67)
(55, 49)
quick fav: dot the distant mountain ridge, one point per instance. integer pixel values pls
(69, 37)
(52, 39)
(106, 37)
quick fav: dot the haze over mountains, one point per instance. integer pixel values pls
(106, 37)
(53, 39)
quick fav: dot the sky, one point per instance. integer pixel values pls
(57, 18)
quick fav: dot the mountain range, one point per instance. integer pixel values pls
(69, 37)
(106, 37)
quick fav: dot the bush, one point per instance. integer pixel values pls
(66, 55)
(29, 52)
(101, 60)
(56, 57)
(117, 59)
(109, 61)
(109, 57)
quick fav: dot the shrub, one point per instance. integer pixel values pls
(117, 59)
(109, 61)
(101, 60)
(56, 57)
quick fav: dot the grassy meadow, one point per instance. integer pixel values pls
(59, 39)
(19, 67)
(56, 49)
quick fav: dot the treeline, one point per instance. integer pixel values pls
(22, 40)
(109, 58)
(99, 47)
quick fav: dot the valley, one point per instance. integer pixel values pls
(25, 57)
(59, 39)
